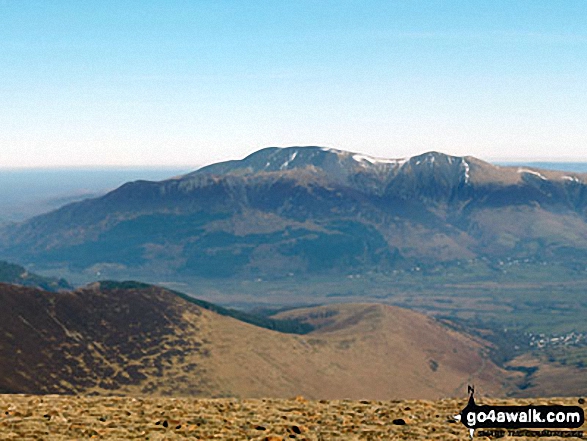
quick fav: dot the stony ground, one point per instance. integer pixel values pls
(52, 417)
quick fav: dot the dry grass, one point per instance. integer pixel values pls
(365, 351)
(54, 417)
(152, 342)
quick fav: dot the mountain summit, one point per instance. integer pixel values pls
(339, 166)
(314, 210)
(275, 159)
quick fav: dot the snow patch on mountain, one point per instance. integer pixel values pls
(291, 158)
(466, 168)
(364, 158)
(532, 172)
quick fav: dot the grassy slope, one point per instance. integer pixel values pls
(128, 339)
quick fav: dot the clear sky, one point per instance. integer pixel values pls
(129, 82)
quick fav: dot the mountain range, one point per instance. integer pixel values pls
(313, 210)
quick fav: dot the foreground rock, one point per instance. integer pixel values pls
(54, 417)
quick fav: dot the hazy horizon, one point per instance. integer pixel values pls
(194, 166)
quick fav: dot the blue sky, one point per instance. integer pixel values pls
(193, 82)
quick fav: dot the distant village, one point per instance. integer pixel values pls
(541, 341)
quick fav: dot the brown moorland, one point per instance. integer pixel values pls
(151, 341)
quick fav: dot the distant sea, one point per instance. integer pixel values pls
(579, 167)
(28, 192)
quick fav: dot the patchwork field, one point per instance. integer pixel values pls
(55, 417)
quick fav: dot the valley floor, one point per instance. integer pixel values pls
(53, 417)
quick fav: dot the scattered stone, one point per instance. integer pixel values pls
(78, 417)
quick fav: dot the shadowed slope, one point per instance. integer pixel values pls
(96, 340)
